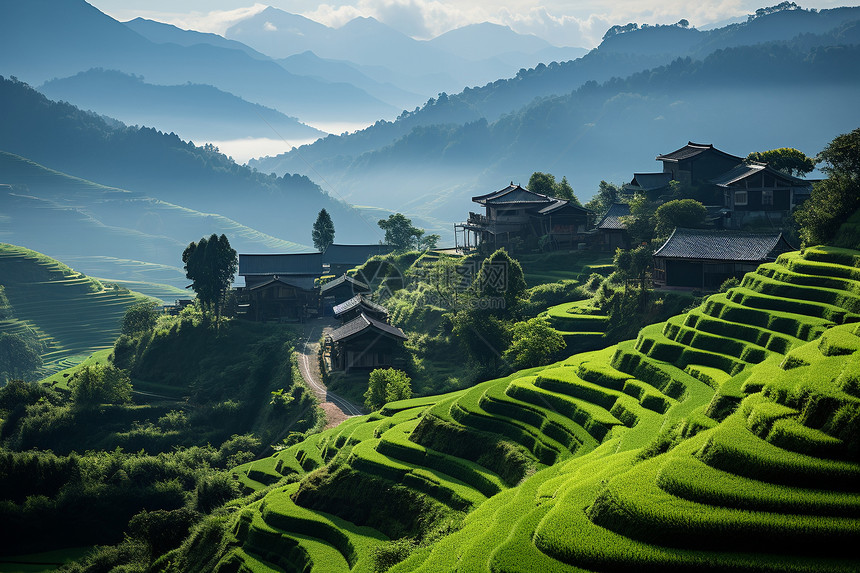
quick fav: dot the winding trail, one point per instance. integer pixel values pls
(337, 408)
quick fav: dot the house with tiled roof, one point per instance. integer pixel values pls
(364, 342)
(697, 163)
(755, 192)
(279, 287)
(359, 304)
(611, 231)
(340, 290)
(705, 258)
(517, 214)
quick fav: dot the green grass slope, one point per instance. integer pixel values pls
(109, 232)
(725, 439)
(72, 314)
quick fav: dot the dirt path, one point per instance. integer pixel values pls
(337, 408)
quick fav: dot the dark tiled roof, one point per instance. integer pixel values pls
(743, 171)
(341, 280)
(362, 323)
(692, 150)
(512, 194)
(353, 254)
(304, 283)
(284, 264)
(651, 181)
(723, 245)
(358, 300)
(560, 205)
(612, 219)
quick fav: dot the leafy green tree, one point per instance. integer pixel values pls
(501, 277)
(211, 265)
(399, 232)
(139, 317)
(607, 194)
(545, 184)
(786, 159)
(836, 198)
(679, 213)
(429, 242)
(641, 222)
(323, 231)
(634, 264)
(18, 359)
(534, 343)
(98, 384)
(387, 385)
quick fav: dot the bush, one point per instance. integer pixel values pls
(100, 384)
(387, 385)
(139, 317)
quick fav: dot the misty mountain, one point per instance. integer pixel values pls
(44, 39)
(311, 65)
(123, 235)
(194, 112)
(62, 137)
(161, 33)
(469, 56)
(744, 99)
(621, 54)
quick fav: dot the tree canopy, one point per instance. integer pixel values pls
(211, 264)
(139, 317)
(387, 385)
(501, 277)
(534, 343)
(100, 384)
(323, 231)
(399, 232)
(545, 184)
(607, 194)
(836, 198)
(786, 159)
(679, 213)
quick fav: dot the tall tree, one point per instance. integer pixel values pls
(786, 159)
(545, 184)
(323, 231)
(211, 264)
(501, 277)
(399, 232)
(607, 194)
(836, 198)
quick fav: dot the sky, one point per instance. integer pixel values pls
(561, 22)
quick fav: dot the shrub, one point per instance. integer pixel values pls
(387, 385)
(98, 384)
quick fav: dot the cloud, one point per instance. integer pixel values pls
(216, 21)
(269, 27)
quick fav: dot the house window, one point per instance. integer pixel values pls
(740, 197)
(767, 197)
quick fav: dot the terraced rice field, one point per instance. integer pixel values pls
(578, 323)
(72, 314)
(725, 439)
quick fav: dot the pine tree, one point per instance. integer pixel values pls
(323, 231)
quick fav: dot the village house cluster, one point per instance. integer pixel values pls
(752, 193)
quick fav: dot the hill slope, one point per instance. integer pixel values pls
(75, 315)
(723, 439)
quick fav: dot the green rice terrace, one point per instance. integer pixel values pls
(71, 315)
(725, 439)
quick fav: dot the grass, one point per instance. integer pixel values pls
(722, 440)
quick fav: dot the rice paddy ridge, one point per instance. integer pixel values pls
(74, 314)
(723, 439)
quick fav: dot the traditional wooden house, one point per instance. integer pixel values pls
(364, 342)
(279, 287)
(650, 184)
(611, 230)
(755, 191)
(359, 304)
(338, 259)
(703, 259)
(340, 290)
(696, 164)
(517, 213)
